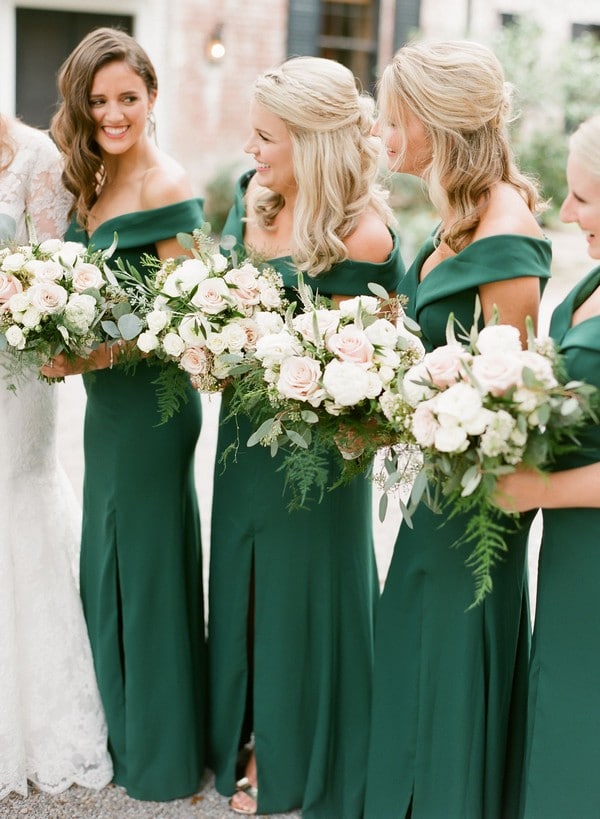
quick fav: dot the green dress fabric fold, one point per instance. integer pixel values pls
(141, 566)
(306, 690)
(449, 690)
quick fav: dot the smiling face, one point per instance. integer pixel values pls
(271, 146)
(582, 204)
(119, 103)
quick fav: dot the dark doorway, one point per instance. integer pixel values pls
(44, 39)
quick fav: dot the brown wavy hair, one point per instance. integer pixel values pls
(458, 91)
(73, 127)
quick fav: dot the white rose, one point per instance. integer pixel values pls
(173, 345)
(460, 402)
(351, 344)
(496, 372)
(185, 277)
(69, 253)
(270, 296)
(413, 388)
(49, 246)
(299, 378)
(216, 343)
(272, 349)
(386, 374)
(424, 424)
(14, 337)
(18, 303)
(47, 297)
(194, 330)
(327, 322)
(87, 276)
(347, 383)
(382, 333)
(157, 320)
(147, 342)
(499, 338)
(268, 322)
(386, 357)
(48, 271)
(219, 262)
(14, 262)
(451, 438)
(351, 308)
(234, 337)
(195, 361)
(30, 318)
(80, 312)
(540, 366)
(212, 296)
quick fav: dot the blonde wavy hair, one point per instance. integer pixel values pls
(584, 144)
(335, 157)
(458, 91)
(7, 149)
(73, 127)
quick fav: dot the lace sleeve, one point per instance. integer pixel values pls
(47, 202)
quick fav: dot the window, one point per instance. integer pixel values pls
(348, 34)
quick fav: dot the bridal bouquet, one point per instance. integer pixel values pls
(480, 409)
(327, 382)
(53, 296)
(205, 313)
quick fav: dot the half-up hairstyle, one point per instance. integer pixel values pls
(73, 127)
(458, 91)
(334, 155)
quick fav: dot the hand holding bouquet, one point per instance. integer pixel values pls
(480, 409)
(53, 296)
(204, 312)
(327, 379)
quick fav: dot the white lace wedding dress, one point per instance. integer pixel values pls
(52, 729)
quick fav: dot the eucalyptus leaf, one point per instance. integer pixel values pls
(8, 228)
(383, 506)
(309, 416)
(186, 240)
(378, 291)
(296, 438)
(262, 432)
(130, 326)
(110, 328)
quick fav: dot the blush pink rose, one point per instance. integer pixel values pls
(299, 378)
(195, 361)
(9, 285)
(445, 364)
(351, 344)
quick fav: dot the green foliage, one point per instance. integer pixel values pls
(555, 91)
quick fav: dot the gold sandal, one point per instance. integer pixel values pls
(244, 785)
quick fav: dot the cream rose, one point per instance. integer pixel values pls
(497, 372)
(195, 361)
(415, 385)
(212, 296)
(48, 271)
(382, 333)
(272, 349)
(270, 297)
(299, 378)
(234, 337)
(147, 342)
(157, 320)
(349, 383)
(87, 276)
(15, 337)
(69, 253)
(445, 364)
(352, 308)
(13, 262)
(80, 312)
(351, 344)
(268, 322)
(48, 298)
(185, 277)
(194, 330)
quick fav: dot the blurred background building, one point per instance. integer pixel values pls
(207, 53)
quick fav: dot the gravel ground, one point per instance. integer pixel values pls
(570, 263)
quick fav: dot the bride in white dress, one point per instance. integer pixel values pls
(52, 729)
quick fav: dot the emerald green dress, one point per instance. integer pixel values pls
(305, 692)
(141, 568)
(563, 736)
(448, 682)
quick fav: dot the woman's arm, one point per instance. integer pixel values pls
(571, 488)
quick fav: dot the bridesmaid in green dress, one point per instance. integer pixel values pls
(448, 682)
(292, 593)
(141, 580)
(563, 722)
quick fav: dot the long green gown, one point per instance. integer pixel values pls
(563, 736)
(448, 682)
(314, 577)
(141, 568)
